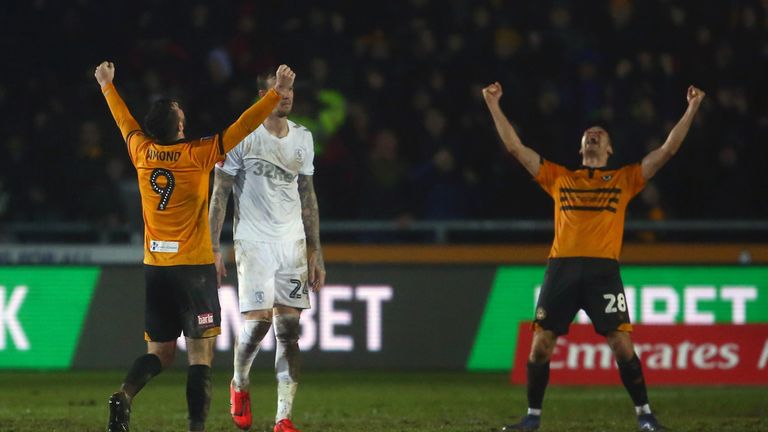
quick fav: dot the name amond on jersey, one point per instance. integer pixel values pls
(165, 156)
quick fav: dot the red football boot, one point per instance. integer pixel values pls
(240, 407)
(285, 425)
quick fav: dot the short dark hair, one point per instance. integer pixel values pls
(161, 121)
(263, 78)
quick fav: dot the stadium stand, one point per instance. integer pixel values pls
(392, 91)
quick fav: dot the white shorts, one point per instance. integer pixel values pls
(271, 274)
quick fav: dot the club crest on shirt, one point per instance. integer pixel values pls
(259, 296)
(299, 155)
(607, 177)
(540, 313)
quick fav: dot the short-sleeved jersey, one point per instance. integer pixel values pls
(265, 190)
(173, 182)
(590, 207)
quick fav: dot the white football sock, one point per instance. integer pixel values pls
(246, 348)
(286, 363)
(285, 394)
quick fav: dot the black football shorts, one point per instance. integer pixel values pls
(181, 298)
(592, 284)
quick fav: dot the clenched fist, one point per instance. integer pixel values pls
(694, 95)
(105, 73)
(284, 79)
(492, 93)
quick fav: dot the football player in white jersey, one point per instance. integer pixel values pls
(277, 248)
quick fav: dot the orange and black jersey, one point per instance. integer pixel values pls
(590, 206)
(173, 182)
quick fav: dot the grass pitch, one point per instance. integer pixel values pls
(371, 402)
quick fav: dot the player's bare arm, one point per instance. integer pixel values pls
(217, 211)
(310, 215)
(528, 157)
(258, 112)
(656, 159)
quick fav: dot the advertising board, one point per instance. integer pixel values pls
(671, 354)
(386, 316)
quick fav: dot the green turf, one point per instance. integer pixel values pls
(371, 402)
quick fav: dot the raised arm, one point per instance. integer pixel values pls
(310, 215)
(529, 158)
(656, 159)
(258, 112)
(105, 73)
(217, 211)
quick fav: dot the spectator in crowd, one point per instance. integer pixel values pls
(409, 70)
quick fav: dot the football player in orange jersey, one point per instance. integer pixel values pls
(181, 290)
(583, 268)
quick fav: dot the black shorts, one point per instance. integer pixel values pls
(592, 284)
(181, 298)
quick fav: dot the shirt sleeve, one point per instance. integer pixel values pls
(308, 167)
(248, 121)
(548, 175)
(634, 178)
(233, 163)
(129, 127)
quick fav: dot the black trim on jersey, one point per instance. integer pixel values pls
(588, 208)
(220, 140)
(568, 198)
(131, 134)
(178, 141)
(596, 190)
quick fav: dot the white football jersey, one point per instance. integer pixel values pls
(266, 188)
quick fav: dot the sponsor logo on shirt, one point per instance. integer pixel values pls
(163, 246)
(205, 320)
(271, 171)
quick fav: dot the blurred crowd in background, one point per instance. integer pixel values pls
(391, 91)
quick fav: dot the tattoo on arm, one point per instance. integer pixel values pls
(217, 211)
(310, 214)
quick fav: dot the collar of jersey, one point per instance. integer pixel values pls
(608, 167)
(173, 142)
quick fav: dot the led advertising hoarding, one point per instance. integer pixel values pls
(671, 354)
(41, 314)
(368, 316)
(654, 295)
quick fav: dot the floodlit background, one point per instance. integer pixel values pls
(391, 91)
(435, 239)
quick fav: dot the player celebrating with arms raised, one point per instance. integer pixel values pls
(583, 268)
(277, 248)
(181, 292)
